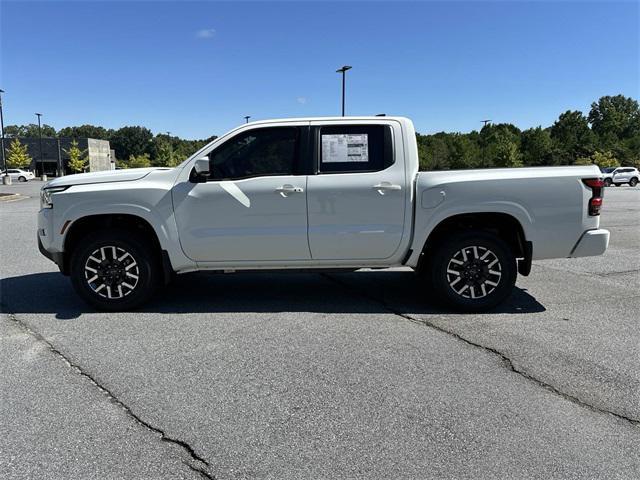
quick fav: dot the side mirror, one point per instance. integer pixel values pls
(202, 166)
(200, 171)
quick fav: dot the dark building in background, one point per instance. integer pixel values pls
(55, 156)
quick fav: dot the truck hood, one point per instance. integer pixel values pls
(107, 176)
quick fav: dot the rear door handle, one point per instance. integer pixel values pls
(384, 187)
(287, 189)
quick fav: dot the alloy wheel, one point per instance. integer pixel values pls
(474, 272)
(111, 272)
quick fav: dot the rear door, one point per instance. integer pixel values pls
(357, 198)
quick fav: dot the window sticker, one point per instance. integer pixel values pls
(344, 148)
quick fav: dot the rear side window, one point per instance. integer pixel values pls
(354, 148)
(255, 153)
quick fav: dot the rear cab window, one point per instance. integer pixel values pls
(353, 148)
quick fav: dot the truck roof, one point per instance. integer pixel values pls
(323, 119)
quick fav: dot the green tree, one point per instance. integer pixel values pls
(163, 152)
(128, 141)
(504, 152)
(615, 118)
(86, 131)
(628, 151)
(18, 155)
(500, 145)
(139, 161)
(572, 137)
(536, 147)
(77, 157)
(601, 159)
(433, 152)
(464, 152)
(30, 130)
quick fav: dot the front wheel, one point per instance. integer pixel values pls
(22, 179)
(607, 182)
(633, 182)
(473, 271)
(114, 271)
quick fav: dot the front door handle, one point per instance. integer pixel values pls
(287, 189)
(384, 187)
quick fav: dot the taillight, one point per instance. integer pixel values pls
(597, 189)
(593, 182)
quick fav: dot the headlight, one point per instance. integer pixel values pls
(45, 196)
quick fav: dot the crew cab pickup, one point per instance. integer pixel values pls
(317, 193)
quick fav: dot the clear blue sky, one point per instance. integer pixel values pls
(195, 69)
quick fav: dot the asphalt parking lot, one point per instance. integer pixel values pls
(322, 376)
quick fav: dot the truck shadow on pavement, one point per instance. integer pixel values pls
(358, 292)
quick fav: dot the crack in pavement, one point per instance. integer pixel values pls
(621, 272)
(589, 274)
(505, 359)
(197, 467)
(200, 471)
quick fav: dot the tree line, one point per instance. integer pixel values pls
(134, 146)
(608, 136)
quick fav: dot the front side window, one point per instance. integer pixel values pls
(355, 148)
(257, 152)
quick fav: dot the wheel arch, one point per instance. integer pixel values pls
(77, 229)
(505, 226)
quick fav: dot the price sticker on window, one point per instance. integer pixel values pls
(345, 148)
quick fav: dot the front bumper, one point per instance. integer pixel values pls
(56, 257)
(47, 243)
(591, 243)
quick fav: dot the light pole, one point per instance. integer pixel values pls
(484, 159)
(343, 70)
(246, 118)
(4, 160)
(42, 174)
(60, 167)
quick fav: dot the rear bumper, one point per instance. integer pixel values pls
(592, 243)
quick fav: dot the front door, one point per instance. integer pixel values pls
(253, 206)
(357, 200)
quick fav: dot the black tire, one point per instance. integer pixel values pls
(633, 182)
(607, 182)
(471, 257)
(22, 179)
(115, 276)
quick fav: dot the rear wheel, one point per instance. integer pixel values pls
(607, 182)
(114, 271)
(633, 182)
(472, 271)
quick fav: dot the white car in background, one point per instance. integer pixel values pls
(619, 175)
(628, 175)
(19, 174)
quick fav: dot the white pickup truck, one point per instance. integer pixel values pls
(317, 193)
